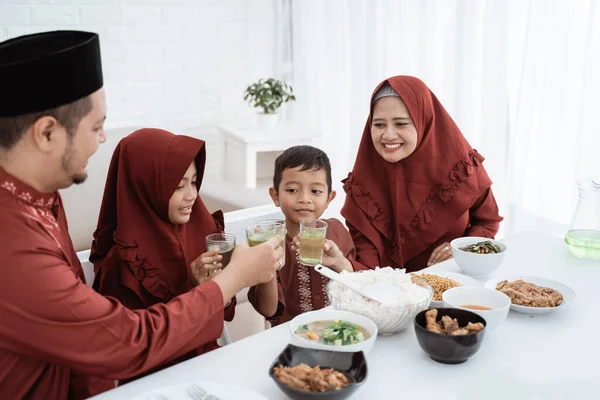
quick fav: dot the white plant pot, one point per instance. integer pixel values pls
(267, 121)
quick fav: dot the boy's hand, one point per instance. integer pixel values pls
(202, 266)
(332, 255)
(334, 258)
(296, 244)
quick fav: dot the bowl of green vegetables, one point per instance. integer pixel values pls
(476, 256)
(333, 330)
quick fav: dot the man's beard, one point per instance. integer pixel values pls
(66, 163)
(79, 178)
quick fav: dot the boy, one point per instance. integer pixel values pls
(302, 188)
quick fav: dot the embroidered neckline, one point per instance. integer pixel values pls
(25, 193)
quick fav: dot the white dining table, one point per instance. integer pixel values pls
(551, 356)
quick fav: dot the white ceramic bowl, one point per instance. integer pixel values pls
(389, 318)
(568, 293)
(477, 295)
(473, 264)
(333, 315)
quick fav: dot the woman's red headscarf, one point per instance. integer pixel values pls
(134, 226)
(412, 203)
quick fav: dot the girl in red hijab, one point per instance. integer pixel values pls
(150, 244)
(416, 184)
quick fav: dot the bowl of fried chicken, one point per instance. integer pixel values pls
(303, 373)
(449, 335)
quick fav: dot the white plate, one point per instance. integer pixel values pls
(568, 293)
(220, 390)
(464, 280)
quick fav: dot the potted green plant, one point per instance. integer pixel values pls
(268, 95)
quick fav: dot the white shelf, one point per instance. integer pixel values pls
(242, 147)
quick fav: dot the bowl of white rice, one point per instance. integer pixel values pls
(389, 318)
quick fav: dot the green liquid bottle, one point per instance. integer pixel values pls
(583, 237)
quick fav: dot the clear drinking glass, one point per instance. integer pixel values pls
(265, 230)
(225, 243)
(312, 240)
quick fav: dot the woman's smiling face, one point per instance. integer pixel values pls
(393, 132)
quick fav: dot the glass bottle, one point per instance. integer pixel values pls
(583, 237)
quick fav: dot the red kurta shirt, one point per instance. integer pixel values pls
(55, 329)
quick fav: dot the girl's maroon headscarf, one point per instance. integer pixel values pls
(134, 226)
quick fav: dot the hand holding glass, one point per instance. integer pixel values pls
(265, 230)
(225, 243)
(312, 240)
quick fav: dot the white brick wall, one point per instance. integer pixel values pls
(181, 65)
(67, 16)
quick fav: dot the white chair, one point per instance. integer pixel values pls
(237, 221)
(88, 267)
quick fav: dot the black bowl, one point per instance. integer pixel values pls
(449, 349)
(353, 365)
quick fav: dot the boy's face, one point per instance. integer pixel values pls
(302, 194)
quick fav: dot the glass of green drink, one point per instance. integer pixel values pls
(265, 230)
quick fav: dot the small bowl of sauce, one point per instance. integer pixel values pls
(492, 305)
(474, 307)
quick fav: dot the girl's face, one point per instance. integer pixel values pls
(182, 200)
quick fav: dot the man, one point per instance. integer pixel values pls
(56, 332)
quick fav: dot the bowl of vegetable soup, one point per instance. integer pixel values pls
(333, 330)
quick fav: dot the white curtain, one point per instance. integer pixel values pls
(520, 77)
(554, 94)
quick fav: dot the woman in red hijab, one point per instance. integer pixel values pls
(416, 184)
(150, 244)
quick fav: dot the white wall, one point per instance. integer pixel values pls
(174, 64)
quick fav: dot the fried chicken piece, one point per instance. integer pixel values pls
(286, 376)
(530, 295)
(449, 324)
(541, 301)
(310, 379)
(337, 380)
(470, 328)
(317, 380)
(302, 371)
(327, 380)
(474, 327)
(430, 323)
(460, 332)
(555, 295)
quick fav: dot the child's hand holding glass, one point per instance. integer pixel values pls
(333, 257)
(201, 268)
